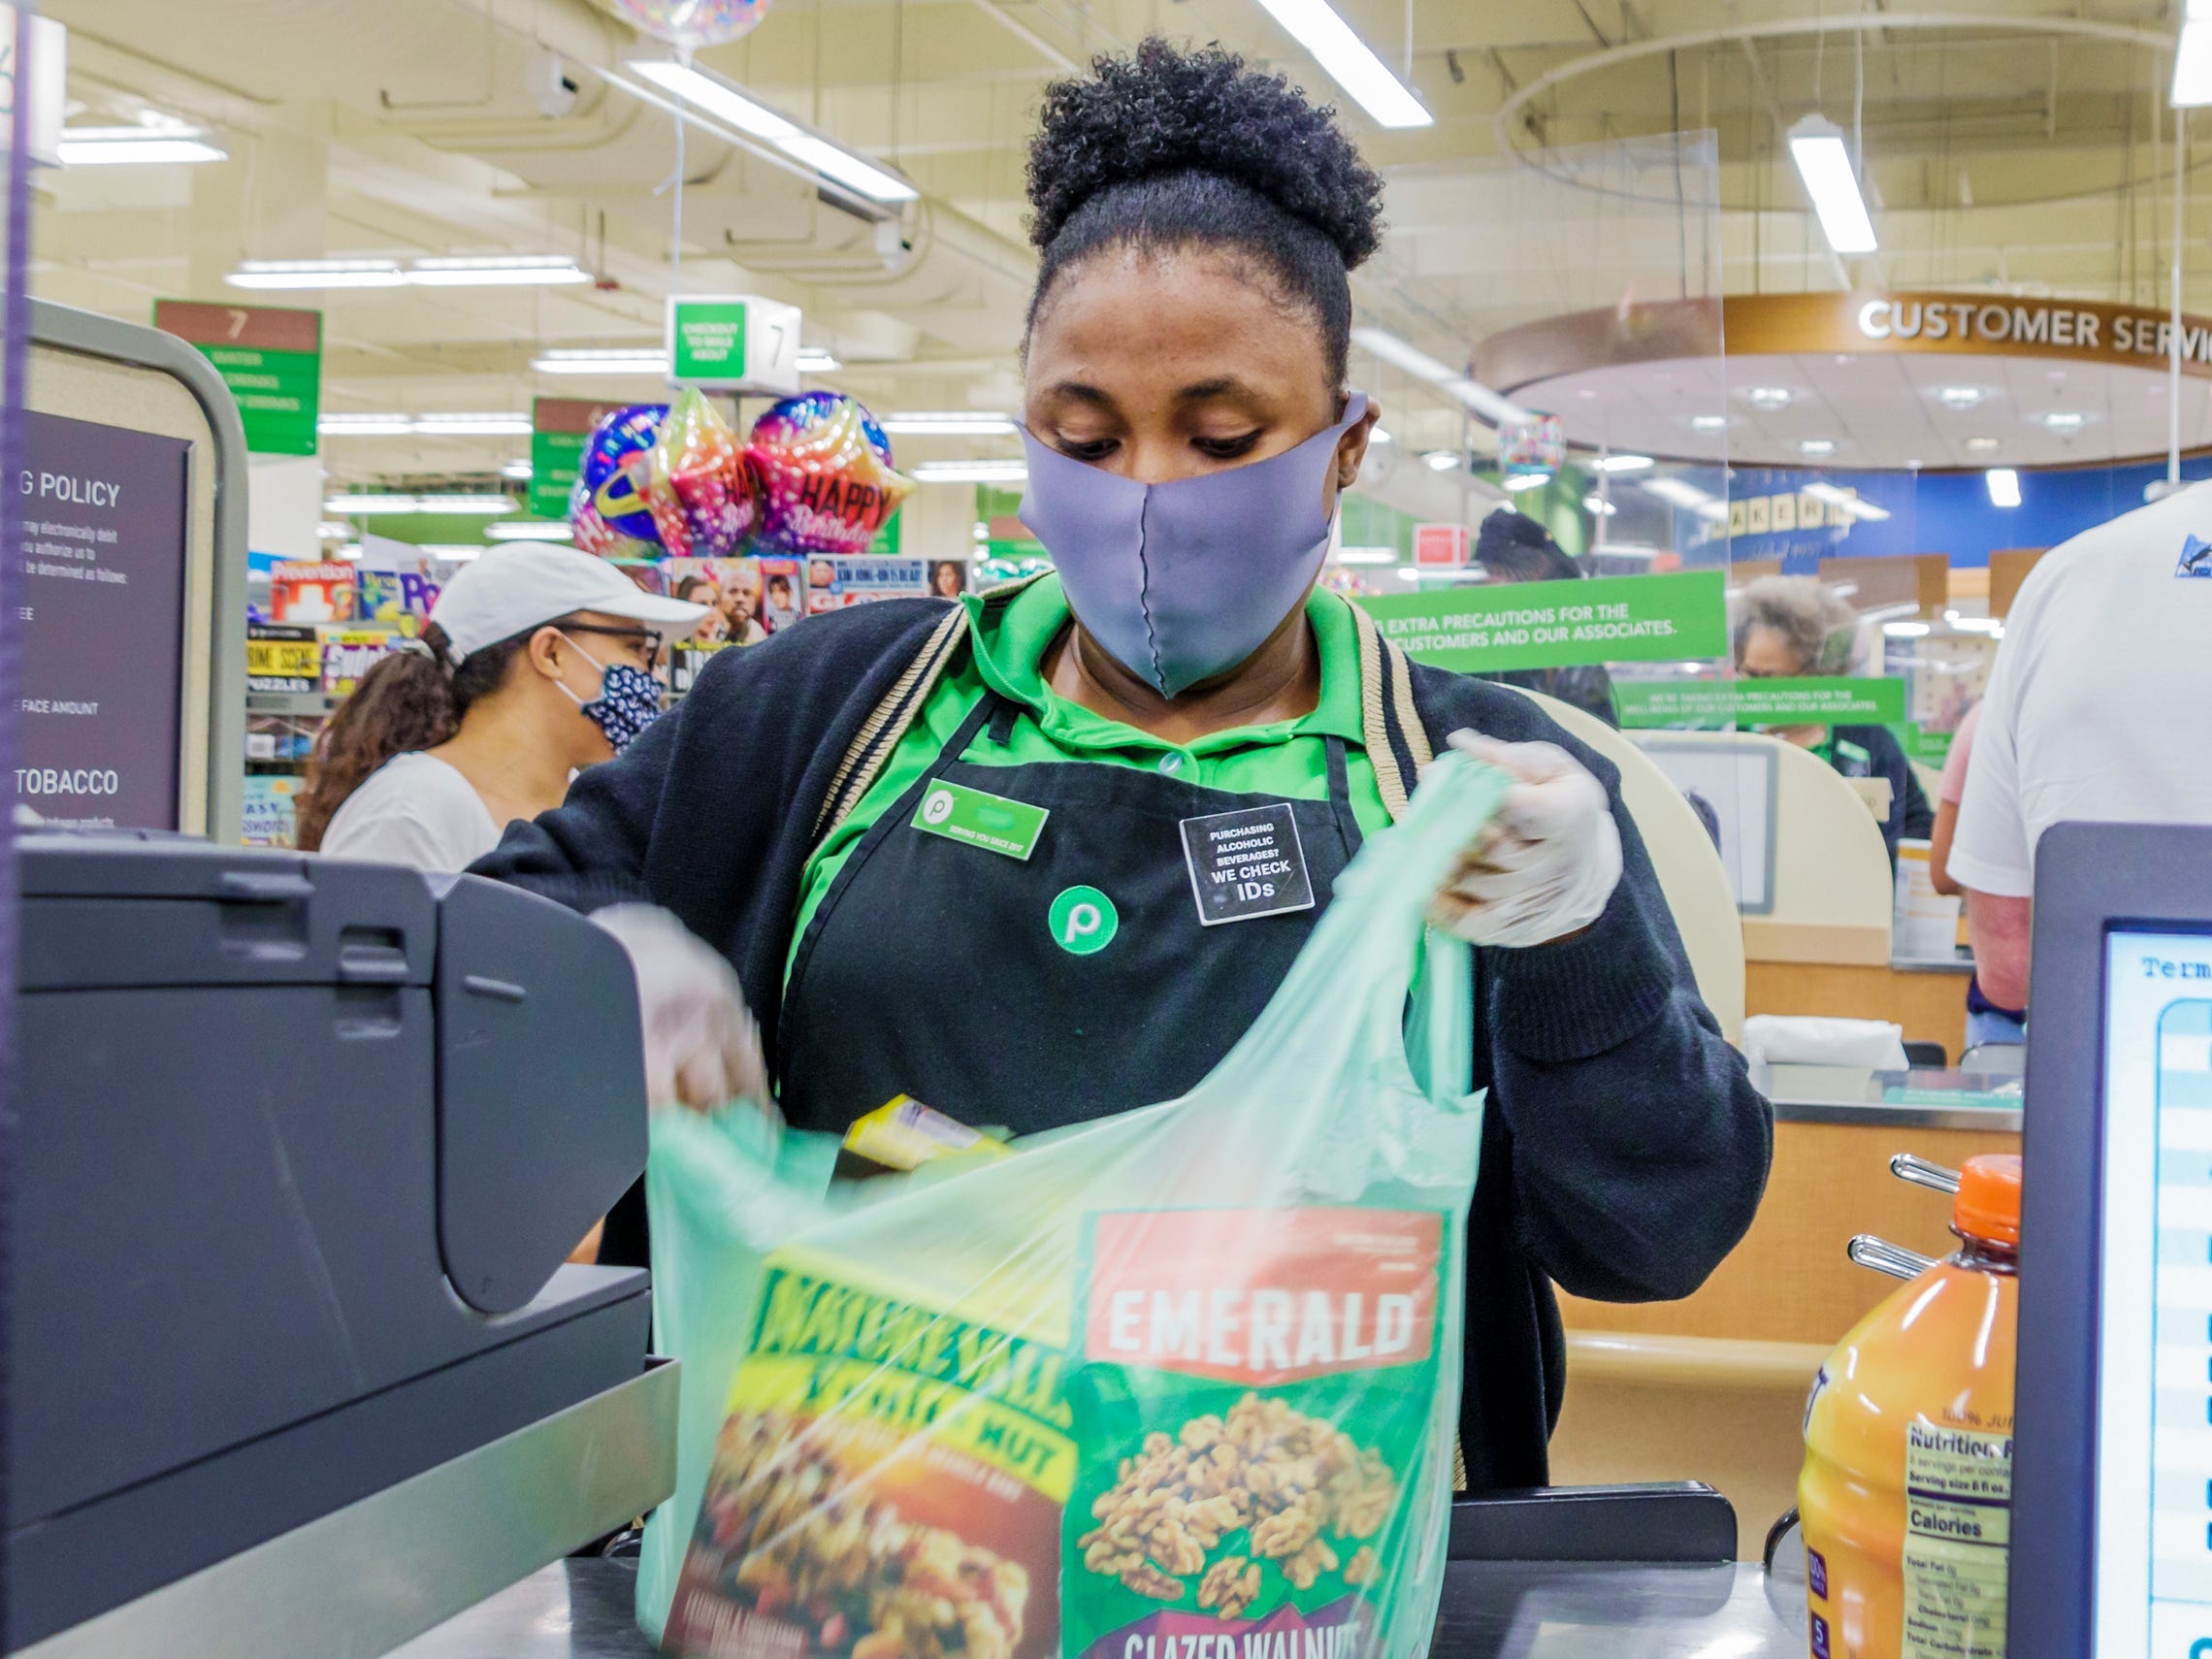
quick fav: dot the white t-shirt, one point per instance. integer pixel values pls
(2096, 705)
(414, 809)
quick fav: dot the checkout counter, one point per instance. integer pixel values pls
(301, 1150)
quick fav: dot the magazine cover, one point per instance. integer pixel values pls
(832, 583)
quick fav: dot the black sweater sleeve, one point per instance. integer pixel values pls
(1639, 1148)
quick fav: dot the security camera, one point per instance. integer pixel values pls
(551, 85)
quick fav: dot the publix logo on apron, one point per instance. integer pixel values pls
(1083, 921)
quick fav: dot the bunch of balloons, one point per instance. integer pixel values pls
(814, 477)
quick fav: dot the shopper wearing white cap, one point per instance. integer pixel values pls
(537, 663)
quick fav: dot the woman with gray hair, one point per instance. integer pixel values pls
(1794, 628)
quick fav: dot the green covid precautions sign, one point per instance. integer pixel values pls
(1707, 705)
(1681, 615)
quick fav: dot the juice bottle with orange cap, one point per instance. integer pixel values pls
(1905, 1497)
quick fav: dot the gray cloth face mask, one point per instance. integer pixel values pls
(1183, 581)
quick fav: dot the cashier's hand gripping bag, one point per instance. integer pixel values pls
(1906, 1494)
(1178, 1382)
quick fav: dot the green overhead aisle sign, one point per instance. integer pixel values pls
(1728, 703)
(269, 356)
(1497, 626)
(559, 429)
(733, 343)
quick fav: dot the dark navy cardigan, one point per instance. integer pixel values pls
(1625, 1151)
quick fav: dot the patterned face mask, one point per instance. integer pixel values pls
(628, 700)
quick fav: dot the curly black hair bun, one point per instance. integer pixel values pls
(1164, 111)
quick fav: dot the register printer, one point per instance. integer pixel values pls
(302, 1147)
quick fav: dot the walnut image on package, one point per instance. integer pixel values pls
(1265, 1470)
(813, 1548)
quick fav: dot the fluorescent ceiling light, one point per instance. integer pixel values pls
(1367, 556)
(959, 423)
(2065, 420)
(1708, 423)
(371, 504)
(714, 95)
(1603, 508)
(816, 360)
(1959, 397)
(333, 531)
(424, 426)
(464, 504)
(1771, 397)
(1441, 459)
(1817, 446)
(1858, 506)
(135, 147)
(2004, 487)
(1824, 163)
(971, 472)
(517, 470)
(316, 274)
(529, 530)
(2193, 62)
(1681, 492)
(1406, 574)
(1621, 463)
(458, 552)
(834, 162)
(1520, 482)
(1493, 407)
(629, 360)
(1379, 436)
(350, 552)
(495, 271)
(1905, 629)
(1981, 445)
(1328, 39)
(474, 425)
(490, 271)
(1626, 549)
(718, 97)
(364, 426)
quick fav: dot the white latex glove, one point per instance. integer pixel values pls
(1544, 866)
(703, 1049)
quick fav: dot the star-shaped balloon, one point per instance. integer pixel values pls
(826, 480)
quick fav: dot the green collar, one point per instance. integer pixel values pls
(1010, 631)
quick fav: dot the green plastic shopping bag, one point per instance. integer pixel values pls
(1188, 1374)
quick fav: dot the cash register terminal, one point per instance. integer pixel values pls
(2112, 1489)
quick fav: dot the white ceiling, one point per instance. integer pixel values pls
(1880, 410)
(422, 126)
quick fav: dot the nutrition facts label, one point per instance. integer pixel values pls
(2181, 1411)
(1958, 1487)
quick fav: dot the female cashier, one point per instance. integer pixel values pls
(1188, 430)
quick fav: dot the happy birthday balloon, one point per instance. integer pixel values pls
(701, 491)
(614, 478)
(694, 23)
(826, 480)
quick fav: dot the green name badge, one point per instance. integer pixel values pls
(975, 818)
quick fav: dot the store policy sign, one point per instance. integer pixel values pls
(100, 582)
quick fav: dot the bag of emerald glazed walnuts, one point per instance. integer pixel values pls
(1180, 1383)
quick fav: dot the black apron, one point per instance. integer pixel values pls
(933, 969)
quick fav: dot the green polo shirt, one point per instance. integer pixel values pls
(1287, 759)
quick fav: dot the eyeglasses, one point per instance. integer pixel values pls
(642, 639)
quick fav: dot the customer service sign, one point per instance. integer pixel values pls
(1965, 325)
